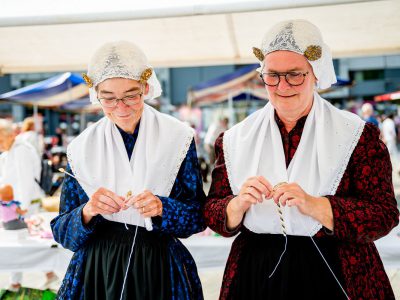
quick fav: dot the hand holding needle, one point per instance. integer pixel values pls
(108, 201)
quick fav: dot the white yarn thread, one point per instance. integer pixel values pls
(133, 246)
(127, 228)
(323, 257)
(129, 260)
(315, 244)
(326, 262)
(280, 258)
(284, 233)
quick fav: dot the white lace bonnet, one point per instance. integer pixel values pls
(124, 60)
(302, 37)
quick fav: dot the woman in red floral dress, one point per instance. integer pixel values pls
(307, 186)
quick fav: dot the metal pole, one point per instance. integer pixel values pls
(232, 120)
(82, 124)
(36, 118)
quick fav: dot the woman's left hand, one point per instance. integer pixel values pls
(146, 203)
(291, 194)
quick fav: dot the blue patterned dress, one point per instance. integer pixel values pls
(181, 217)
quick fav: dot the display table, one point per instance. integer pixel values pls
(35, 253)
(209, 251)
(23, 252)
(389, 249)
(32, 253)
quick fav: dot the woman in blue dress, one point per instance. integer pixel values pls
(132, 188)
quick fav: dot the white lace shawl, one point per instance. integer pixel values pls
(254, 147)
(98, 158)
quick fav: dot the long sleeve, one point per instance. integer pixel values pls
(27, 168)
(182, 210)
(219, 196)
(68, 228)
(364, 206)
(24, 186)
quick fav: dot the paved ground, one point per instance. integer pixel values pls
(394, 274)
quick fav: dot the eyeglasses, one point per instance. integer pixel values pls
(292, 78)
(127, 100)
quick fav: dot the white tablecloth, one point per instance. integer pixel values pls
(208, 251)
(389, 249)
(212, 251)
(34, 253)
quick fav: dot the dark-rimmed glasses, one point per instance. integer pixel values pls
(292, 78)
(127, 100)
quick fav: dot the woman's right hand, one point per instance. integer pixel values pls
(251, 192)
(103, 202)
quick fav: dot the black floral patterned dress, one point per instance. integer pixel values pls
(364, 210)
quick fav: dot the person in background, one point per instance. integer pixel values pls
(29, 135)
(389, 137)
(61, 137)
(213, 132)
(20, 167)
(367, 111)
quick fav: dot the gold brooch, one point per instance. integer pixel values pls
(313, 52)
(258, 53)
(87, 80)
(146, 74)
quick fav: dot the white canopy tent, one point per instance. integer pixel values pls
(45, 35)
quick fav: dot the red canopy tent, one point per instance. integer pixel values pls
(388, 97)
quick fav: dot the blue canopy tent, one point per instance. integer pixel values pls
(76, 105)
(49, 93)
(64, 92)
(82, 105)
(239, 85)
(242, 84)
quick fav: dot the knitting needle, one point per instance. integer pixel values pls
(147, 221)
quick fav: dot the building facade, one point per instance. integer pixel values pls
(371, 76)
